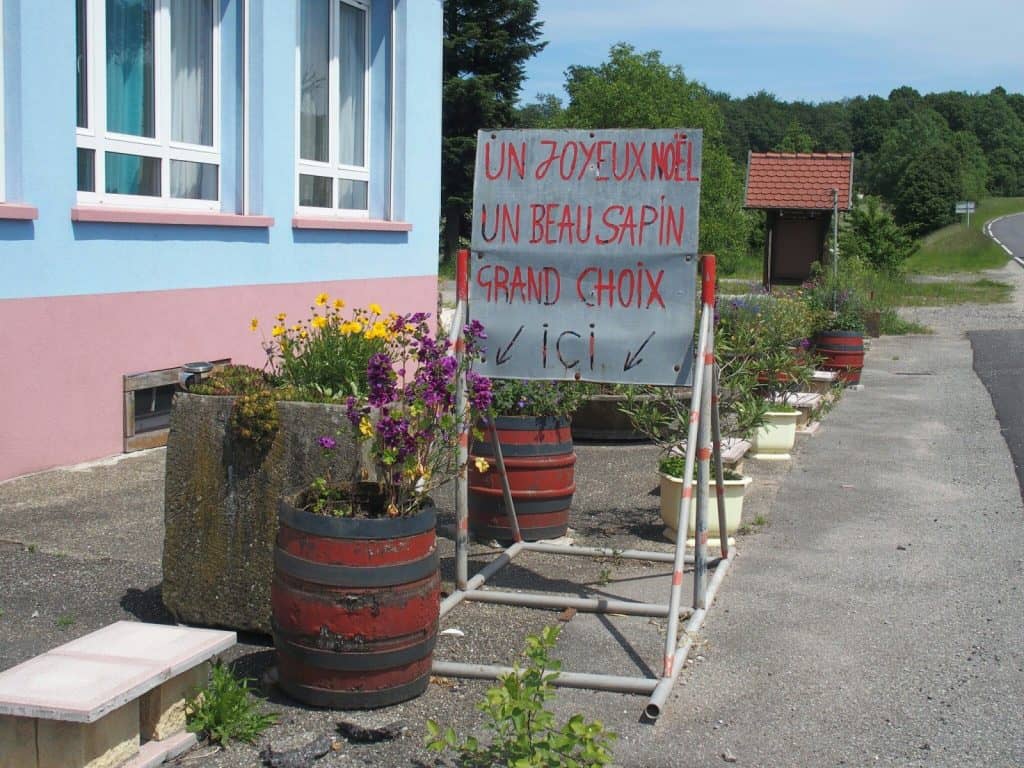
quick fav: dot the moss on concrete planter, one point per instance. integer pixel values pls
(220, 505)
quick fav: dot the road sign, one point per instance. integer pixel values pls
(965, 206)
(585, 248)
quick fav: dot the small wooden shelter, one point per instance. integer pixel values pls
(800, 193)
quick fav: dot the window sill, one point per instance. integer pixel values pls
(18, 212)
(107, 215)
(364, 225)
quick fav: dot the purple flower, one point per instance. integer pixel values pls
(352, 411)
(480, 394)
(327, 442)
(380, 374)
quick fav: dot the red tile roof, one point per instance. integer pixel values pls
(794, 180)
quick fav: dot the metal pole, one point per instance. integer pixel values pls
(587, 604)
(625, 554)
(835, 233)
(716, 437)
(506, 490)
(563, 680)
(462, 492)
(706, 362)
(683, 510)
(664, 687)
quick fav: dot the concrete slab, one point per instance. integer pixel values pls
(74, 688)
(174, 649)
(154, 753)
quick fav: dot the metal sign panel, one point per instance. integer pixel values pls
(567, 316)
(614, 192)
(585, 253)
(965, 206)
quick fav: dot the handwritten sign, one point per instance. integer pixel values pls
(585, 249)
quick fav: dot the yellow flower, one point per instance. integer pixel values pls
(297, 327)
(352, 327)
(254, 324)
(281, 316)
(338, 303)
(481, 464)
(321, 299)
(319, 322)
(365, 427)
(379, 330)
(277, 330)
(303, 334)
(375, 308)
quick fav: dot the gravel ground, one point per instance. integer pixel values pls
(871, 621)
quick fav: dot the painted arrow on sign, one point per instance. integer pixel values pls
(503, 354)
(633, 360)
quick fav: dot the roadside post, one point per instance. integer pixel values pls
(965, 207)
(584, 267)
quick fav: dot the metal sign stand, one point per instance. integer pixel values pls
(703, 445)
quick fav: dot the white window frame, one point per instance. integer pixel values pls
(334, 169)
(101, 141)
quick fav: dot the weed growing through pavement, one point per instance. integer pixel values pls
(225, 710)
(604, 577)
(66, 621)
(760, 520)
(31, 549)
(524, 732)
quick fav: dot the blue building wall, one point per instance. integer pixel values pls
(54, 256)
(84, 303)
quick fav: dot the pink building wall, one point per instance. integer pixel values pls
(62, 393)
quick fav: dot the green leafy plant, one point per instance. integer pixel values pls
(524, 732)
(231, 380)
(254, 420)
(66, 621)
(518, 397)
(327, 354)
(226, 710)
(675, 464)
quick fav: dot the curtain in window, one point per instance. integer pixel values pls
(130, 93)
(352, 123)
(314, 62)
(192, 24)
(130, 84)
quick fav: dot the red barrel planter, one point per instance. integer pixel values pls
(541, 465)
(355, 606)
(842, 351)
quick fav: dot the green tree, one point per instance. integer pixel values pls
(545, 112)
(796, 139)
(869, 232)
(638, 90)
(486, 46)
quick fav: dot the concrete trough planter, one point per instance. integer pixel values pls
(220, 507)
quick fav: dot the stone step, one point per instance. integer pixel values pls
(93, 702)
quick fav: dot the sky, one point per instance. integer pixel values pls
(809, 50)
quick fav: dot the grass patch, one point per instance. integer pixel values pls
(958, 248)
(909, 294)
(894, 325)
(747, 267)
(446, 269)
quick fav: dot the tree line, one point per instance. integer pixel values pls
(917, 153)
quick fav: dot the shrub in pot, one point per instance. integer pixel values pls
(840, 306)
(670, 470)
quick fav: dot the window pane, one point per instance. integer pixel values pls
(193, 181)
(86, 170)
(192, 72)
(353, 86)
(82, 66)
(130, 84)
(314, 61)
(352, 194)
(132, 175)
(315, 191)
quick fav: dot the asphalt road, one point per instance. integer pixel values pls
(1009, 231)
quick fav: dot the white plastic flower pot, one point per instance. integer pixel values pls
(774, 439)
(671, 494)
